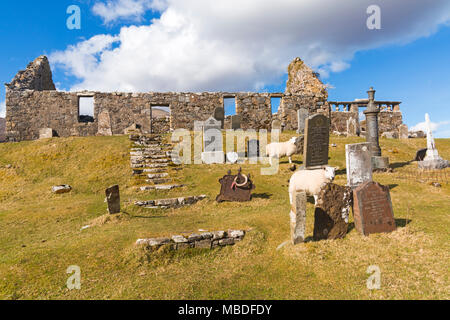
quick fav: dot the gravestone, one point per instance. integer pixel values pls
(276, 125)
(113, 199)
(403, 132)
(332, 212)
(352, 127)
(219, 115)
(421, 154)
(46, 133)
(372, 209)
(317, 140)
(253, 148)
(359, 164)
(212, 142)
(104, 124)
(236, 122)
(302, 115)
(298, 218)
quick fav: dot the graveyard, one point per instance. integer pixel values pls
(44, 232)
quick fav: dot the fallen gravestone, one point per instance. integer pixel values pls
(61, 189)
(317, 140)
(298, 218)
(372, 209)
(359, 164)
(332, 212)
(113, 199)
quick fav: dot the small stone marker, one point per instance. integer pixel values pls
(352, 127)
(253, 149)
(104, 124)
(372, 209)
(403, 131)
(298, 218)
(317, 140)
(302, 115)
(276, 124)
(46, 133)
(236, 122)
(332, 212)
(219, 115)
(359, 164)
(113, 199)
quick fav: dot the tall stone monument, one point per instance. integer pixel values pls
(317, 140)
(432, 160)
(372, 135)
(359, 164)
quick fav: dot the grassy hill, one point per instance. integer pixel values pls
(41, 232)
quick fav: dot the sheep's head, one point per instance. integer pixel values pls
(330, 173)
(293, 140)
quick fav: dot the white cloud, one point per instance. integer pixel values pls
(234, 45)
(2, 109)
(439, 129)
(113, 10)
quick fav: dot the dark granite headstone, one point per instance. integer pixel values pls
(421, 154)
(332, 212)
(317, 140)
(372, 209)
(236, 122)
(113, 199)
(219, 115)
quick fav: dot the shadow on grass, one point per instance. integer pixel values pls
(261, 196)
(400, 223)
(392, 186)
(145, 217)
(398, 165)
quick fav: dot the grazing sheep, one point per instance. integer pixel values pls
(310, 181)
(282, 149)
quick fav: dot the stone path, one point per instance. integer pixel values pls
(151, 165)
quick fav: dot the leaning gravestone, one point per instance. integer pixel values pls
(212, 142)
(317, 140)
(302, 115)
(236, 122)
(113, 199)
(332, 212)
(372, 209)
(219, 115)
(359, 164)
(298, 218)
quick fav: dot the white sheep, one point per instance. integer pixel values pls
(310, 181)
(281, 149)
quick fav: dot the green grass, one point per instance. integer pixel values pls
(40, 232)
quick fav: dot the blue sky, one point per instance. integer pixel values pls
(412, 67)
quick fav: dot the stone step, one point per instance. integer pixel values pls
(158, 181)
(157, 175)
(161, 187)
(170, 203)
(156, 170)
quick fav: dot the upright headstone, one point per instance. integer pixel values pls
(276, 124)
(317, 140)
(104, 124)
(372, 209)
(352, 128)
(113, 199)
(236, 121)
(359, 164)
(403, 131)
(219, 115)
(253, 148)
(212, 142)
(298, 218)
(332, 212)
(45, 133)
(302, 115)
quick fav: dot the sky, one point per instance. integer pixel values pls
(239, 45)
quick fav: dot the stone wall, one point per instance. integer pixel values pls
(2, 129)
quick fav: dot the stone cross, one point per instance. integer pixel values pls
(113, 199)
(432, 159)
(317, 140)
(359, 164)
(372, 209)
(298, 218)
